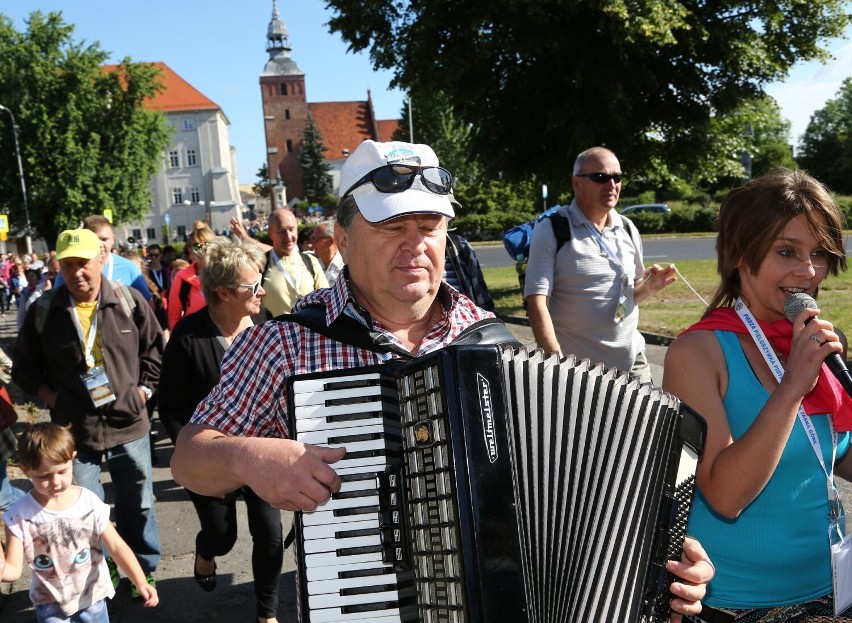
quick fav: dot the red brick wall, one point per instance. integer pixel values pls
(281, 129)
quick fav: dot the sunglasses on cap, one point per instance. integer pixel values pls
(603, 178)
(254, 287)
(397, 178)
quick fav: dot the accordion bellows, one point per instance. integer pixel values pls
(489, 484)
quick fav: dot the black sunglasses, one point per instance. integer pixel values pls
(603, 178)
(396, 178)
(197, 246)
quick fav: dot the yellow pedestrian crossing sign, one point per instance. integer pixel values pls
(4, 223)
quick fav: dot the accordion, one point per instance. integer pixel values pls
(488, 484)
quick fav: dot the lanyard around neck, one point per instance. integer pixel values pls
(614, 255)
(778, 371)
(292, 281)
(87, 342)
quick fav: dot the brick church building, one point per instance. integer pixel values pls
(342, 125)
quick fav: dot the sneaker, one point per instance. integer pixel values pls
(148, 578)
(113, 572)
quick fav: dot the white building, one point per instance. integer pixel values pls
(198, 179)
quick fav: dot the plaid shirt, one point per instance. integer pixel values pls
(251, 397)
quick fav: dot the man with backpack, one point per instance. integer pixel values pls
(289, 273)
(91, 350)
(583, 288)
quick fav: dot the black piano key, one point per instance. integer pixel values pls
(345, 439)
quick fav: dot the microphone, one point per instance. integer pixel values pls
(794, 306)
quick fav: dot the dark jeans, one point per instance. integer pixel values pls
(218, 518)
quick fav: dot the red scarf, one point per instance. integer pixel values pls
(827, 396)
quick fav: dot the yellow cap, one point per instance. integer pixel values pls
(81, 243)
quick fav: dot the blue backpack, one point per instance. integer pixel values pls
(517, 239)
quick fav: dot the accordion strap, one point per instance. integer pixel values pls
(347, 330)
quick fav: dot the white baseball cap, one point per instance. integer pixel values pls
(377, 206)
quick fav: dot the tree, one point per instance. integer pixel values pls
(88, 142)
(436, 124)
(262, 188)
(316, 181)
(826, 146)
(541, 80)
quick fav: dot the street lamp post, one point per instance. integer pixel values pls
(28, 232)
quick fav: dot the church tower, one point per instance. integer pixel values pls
(285, 111)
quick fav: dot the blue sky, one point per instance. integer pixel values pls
(219, 46)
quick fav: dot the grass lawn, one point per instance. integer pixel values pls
(676, 307)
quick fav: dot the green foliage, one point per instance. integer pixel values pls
(660, 83)
(316, 181)
(263, 187)
(826, 147)
(87, 140)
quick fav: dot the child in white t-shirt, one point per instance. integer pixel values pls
(59, 528)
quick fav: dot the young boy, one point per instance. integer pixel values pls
(59, 527)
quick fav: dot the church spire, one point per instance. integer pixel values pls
(278, 47)
(277, 39)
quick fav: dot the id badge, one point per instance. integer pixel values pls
(97, 384)
(841, 564)
(621, 309)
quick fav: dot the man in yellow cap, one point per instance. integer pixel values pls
(91, 350)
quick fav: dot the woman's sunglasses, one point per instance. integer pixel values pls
(254, 287)
(198, 246)
(396, 178)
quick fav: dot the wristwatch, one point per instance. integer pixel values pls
(147, 391)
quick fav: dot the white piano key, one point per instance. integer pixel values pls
(329, 531)
(318, 518)
(322, 437)
(394, 615)
(317, 574)
(324, 559)
(318, 546)
(341, 395)
(378, 414)
(330, 600)
(314, 411)
(332, 504)
(318, 385)
(336, 584)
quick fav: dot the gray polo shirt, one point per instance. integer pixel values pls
(584, 284)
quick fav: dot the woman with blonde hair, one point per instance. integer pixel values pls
(185, 294)
(231, 281)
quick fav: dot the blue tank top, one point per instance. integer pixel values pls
(776, 552)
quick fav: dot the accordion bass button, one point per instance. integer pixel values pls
(423, 433)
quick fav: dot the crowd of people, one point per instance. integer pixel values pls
(111, 339)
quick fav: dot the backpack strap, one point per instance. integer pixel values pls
(125, 299)
(561, 229)
(308, 263)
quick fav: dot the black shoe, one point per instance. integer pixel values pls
(206, 582)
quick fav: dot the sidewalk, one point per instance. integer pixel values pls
(181, 599)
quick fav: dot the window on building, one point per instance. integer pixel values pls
(188, 124)
(191, 158)
(289, 146)
(174, 159)
(283, 88)
(194, 194)
(137, 234)
(151, 234)
(287, 114)
(181, 231)
(177, 195)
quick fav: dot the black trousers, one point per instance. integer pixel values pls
(218, 534)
